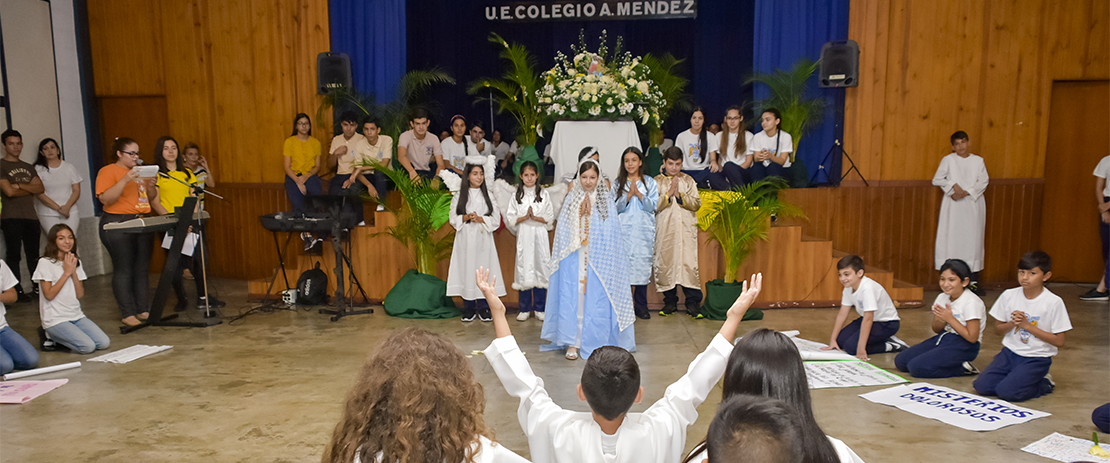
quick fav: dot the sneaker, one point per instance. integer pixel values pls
(212, 302)
(970, 369)
(380, 208)
(896, 345)
(1048, 377)
(308, 241)
(668, 309)
(539, 316)
(469, 315)
(523, 316)
(45, 342)
(1095, 295)
(643, 314)
(694, 312)
(484, 315)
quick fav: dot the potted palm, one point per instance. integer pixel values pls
(515, 93)
(666, 72)
(788, 95)
(736, 220)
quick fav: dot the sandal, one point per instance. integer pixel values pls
(572, 355)
(143, 316)
(127, 323)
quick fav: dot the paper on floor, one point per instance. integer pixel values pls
(949, 406)
(131, 353)
(855, 373)
(21, 392)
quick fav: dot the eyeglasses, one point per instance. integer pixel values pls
(732, 118)
(132, 153)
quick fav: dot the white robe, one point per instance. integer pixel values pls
(474, 247)
(657, 435)
(533, 247)
(960, 229)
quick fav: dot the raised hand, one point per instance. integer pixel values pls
(747, 296)
(485, 285)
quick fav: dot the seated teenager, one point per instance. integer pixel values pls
(416, 150)
(699, 150)
(610, 385)
(769, 151)
(343, 157)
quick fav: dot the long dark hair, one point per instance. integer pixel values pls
(741, 144)
(298, 117)
(41, 160)
(765, 362)
(703, 139)
(520, 186)
(179, 164)
(778, 127)
(622, 177)
(120, 143)
(51, 250)
(466, 146)
(464, 195)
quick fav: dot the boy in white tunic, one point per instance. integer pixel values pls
(963, 211)
(610, 384)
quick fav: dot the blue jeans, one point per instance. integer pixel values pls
(81, 336)
(16, 352)
(848, 339)
(1015, 378)
(312, 186)
(941, 356)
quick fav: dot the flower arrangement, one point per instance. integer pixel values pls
(600, 85)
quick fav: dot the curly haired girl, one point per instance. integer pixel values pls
(416, 401)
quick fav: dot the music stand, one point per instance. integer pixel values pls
(341, 221)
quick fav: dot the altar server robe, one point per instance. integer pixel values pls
(474, 247)
(676, 234)
(533, 248)
(658, 435)
(960, 229)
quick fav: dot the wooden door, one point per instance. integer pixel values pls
(1078, 137)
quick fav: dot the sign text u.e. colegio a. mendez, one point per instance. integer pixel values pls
(591, 10)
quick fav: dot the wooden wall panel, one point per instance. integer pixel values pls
(930, 68)
(142, 118)
(240, 248)
(893, 226)
(126, 47)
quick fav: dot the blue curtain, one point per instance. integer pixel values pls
(786, 30)
(373, 34)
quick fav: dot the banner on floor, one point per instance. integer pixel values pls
(821, 375)
(949, 406)
(591, 10)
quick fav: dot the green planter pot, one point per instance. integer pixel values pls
(527, 153)
(719, 296)
(419, 295)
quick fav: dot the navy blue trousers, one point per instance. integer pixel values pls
(354, 202)
(1101, 418)
(533, 300)
(639, 299)
(848, 339)
(1104, 233)
(758, 172)
(693, 297)
(312, 186)
(941, 356)
(1015, 378)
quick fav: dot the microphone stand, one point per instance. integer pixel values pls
(198, 190)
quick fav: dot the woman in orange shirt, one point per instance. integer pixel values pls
(125, 196)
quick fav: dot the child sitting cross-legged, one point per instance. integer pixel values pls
(610, 385)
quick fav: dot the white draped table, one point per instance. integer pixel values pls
(610, 139)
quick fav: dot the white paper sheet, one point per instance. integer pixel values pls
(1064, 448)
(131, 353)
(855, 373)
(949, 406)
(187, 248)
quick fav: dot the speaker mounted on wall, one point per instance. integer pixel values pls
(333, 70)
(839, 64)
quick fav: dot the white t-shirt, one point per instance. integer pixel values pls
(690, 145)
(1102, 171)
(454, 154)
(7, 281)
(58, 182)
(967, 307)
(871, 297)
(761, 141)
(502, 151)
(730, 154)
(65, 307)
(1046, 311)
(487, 146)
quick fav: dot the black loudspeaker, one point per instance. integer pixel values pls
(333, 70)
(839, 64)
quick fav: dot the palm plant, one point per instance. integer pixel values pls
(424, 210)
(788, 89)
(515, 91)
(738, 219)
(666, 72)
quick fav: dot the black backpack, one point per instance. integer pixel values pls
(312, 287)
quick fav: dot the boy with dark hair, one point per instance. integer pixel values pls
(962, 177)
(344, 159)
(676, 236)
(610, 385)
(19, 183)
(873, 332)
(374, 148)
(1032, 321)
(751, 428)
(416, 150)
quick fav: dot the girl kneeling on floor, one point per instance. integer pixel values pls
(958, 320)
(59, 276)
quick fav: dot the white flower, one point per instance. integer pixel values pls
(642, 87)
(609, 101)
(595, 110)
(547, 100)
(593, 98)
(645, 118)
(611, 109)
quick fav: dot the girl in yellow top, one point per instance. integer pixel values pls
(172, 194)
(302, 163)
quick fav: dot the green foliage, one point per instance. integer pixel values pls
(667, 72)
(515, 91)
(424, 210)
(738, 219)
(394, 115)
(788, 89)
